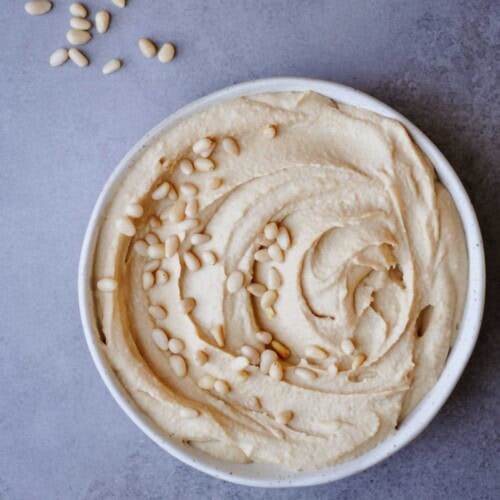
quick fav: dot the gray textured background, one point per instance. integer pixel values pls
(62, 132)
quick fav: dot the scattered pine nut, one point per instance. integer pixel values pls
(186, 166)
(188, 224)
(172, 194)
(283, 238)
(200, 358)
(203, 145)
(78, 57)
(148, 280)
(188, 189)
(221, 387)
(166, 53)
(254, 403)
(79, 23)
(204, 164)
(161, 191)
(271, 231)
(134, 210)
(38, 7)
(284, 417)
(147, 47)
(156, 251)
(102, 19)
(214, 183)
(152, 239)
(218, 334)
(192, 262)
(242, 377)
(111, 66)
(235, 281)
(120, 3)
(171, 245)
(107, 285)
(192, 208)
(178, 365)
(176, 346)
(155, 222)
(124, 224)
(256, 289)
(177, 212)
(58, 57)
(281, 349)
(239, 363)
(315, 352)
(270, 131)
(276, 371)
(141, 247)
(347, 346)
(276, 253)
(189, 413)
(78, 10)
(230, 146)
(267, 358)
(161, 277)
(186, 305)
(305, 373)
(206, 382)
(358, 360)
(251, 354)
(209, 258)
(273, 279)
(158, 312)
(268, 298)
(78, 37)
(262, 255)
(160, 339)
(264, 337)
(152, 265)
(333, 369)
(200, 238)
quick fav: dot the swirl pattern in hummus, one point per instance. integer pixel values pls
(371, 293)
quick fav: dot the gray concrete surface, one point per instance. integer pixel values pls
(63, 130)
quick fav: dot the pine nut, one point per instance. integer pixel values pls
(203, 145)
(161, 277)
(158, 312)
(134, 210)
(78, 10)
(305, 373)
(189, 413)
(284, 417)
(141, 247)
(204, 164)
(273, 279)
(200, 358)
(283, 238)
(254, 403)
(78, 58)
(166, 53)
(206, 382)
(269, 298)
(58, 57)
(230, 146)
(160, 339)
(276, 253)
(186, 305)
(271, 231)
(155, 222)
(120, 3)
(239, 363)
(188, 224)
(38, 7)
(189, 189)
(107, 285)
(264, 337)
(186, 166)
(78, 23)
(235, 281)
(251, 354)
(152, 265)
(102, 19)
(214, 183)
(221, 387)
(156, 251)
(256, 289)
(171, 245)
(241, 377)
(333, 369)
(347, 346)
(152, 239)
(218, 334)
(270, 131)
(125, 226)
(209, 258)
(111, 66)
(358, 360)
(178, 364)
(192, 208)
(315, 352)
(267, 358)
(147, 47)
(200, 238)
(148, 280)
(177, 212)
(172, 194)
(281, 349)
(161, 191)
(262, 255)
(176, 346)
(264, 242)
(276, 371)
(192, 262)
(78, 37)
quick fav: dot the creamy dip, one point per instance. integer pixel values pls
(357, 316)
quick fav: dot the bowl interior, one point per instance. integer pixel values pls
(271, 476)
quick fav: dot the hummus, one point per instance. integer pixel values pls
(357, 316)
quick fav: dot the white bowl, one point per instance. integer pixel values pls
(415, 423)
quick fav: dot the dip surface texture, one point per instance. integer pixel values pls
(357, 317)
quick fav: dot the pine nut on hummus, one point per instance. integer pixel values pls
(291, 296)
